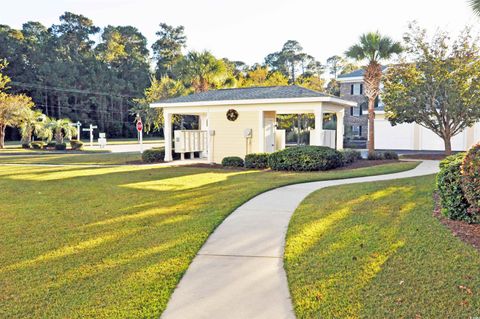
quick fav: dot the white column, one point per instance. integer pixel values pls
(167, 131)
(340, 128)
(203, 126)
(261, 132)
(318, 126)
(210, 140)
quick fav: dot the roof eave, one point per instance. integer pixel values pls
(256, 101)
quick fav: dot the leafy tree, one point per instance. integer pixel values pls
(439, 91)
(475, 4)
(373, 48)
(333, 87)
(167, 50)
(261, 76)
(335, 64)
(158, 90)
(311, 82)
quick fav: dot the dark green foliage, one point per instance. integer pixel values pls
(26, 145)
(154, 155)
(38, 145)
(375, 156)
(61, 146)
(256, 160)
(454, 203)
(471, 180)
(50, 145)
(390, 155)
(350, 156)
(76, 145)
(305, 158)
(232, 161)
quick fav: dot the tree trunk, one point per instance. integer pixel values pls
(2, 136)
(448, 146)
(371, 126)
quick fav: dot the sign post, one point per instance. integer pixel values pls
(78, 125)
(140, 132)
(90, 129)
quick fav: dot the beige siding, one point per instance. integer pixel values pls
(228, 139)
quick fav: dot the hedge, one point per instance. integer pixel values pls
(452, 197)
(232, 161)
(38, 145)
(305, 158)
(61, 146)
(153, 155)
(256, 160)
(470, 169)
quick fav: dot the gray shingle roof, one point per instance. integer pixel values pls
(356, 73)
(251, 93)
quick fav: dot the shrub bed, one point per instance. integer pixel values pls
(305, 158)
(375, 156)
(154, 155)
(49, 145)
(38, 145)
(232, 161)
(390, 155)
(26, 145)
(76, 145)
(452, 197)
(256, 160)
(470, 182)
(350, 156)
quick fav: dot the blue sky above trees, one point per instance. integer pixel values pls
(248, 30)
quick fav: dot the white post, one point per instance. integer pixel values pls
(340, 129)
(141, 141)
(203, 126)
(261, 132)
(167, 131)
(318, 126)
(79, 125)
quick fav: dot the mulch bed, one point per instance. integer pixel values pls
(469, 233)
(435, 157)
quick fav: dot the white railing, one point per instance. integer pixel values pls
(190, 141)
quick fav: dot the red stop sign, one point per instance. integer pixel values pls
(139, 126)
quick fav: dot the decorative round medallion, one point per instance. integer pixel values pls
(232, 115)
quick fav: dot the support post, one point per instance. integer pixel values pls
(167, 132)
(340, 129)
(318, 126)
(261, 132)
(203, 126)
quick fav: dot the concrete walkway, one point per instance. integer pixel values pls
(239, 272)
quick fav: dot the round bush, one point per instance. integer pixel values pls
(350, 156)
(375, 156)
(76, 145)
(26, 145)
(154, 155)
(471, 179)
(390, 155)
(61, 146)
(256, 160)
(38, 145)
(305, 158)
(452, 198)
(232, 161)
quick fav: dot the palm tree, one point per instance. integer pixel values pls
(203, 70)
(475, 4)
(32, 122)
(373, 47)
(60, 129)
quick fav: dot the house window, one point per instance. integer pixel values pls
(356, 89)
(356, 130)
(356, 111)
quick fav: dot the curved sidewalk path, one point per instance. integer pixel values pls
(239, 272)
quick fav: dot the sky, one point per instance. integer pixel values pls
(248, 30)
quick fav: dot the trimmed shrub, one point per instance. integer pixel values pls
(470, 171)
(153, 155)
(350, 156)
(375, 156)
(256, 160)
(232, 161)
(76, 145)
(50, 145)
(454, 203)
(390, 155)
(26, 145)
(305, 158)
(61, 146)
(38, 145)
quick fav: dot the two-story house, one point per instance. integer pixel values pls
(387, 137)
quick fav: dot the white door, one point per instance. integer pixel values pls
(269, 135)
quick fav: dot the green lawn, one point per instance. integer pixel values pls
(83, 159)
(375, 251)
(112, 242)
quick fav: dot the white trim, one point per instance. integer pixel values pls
(353, 79)
(256, 101)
